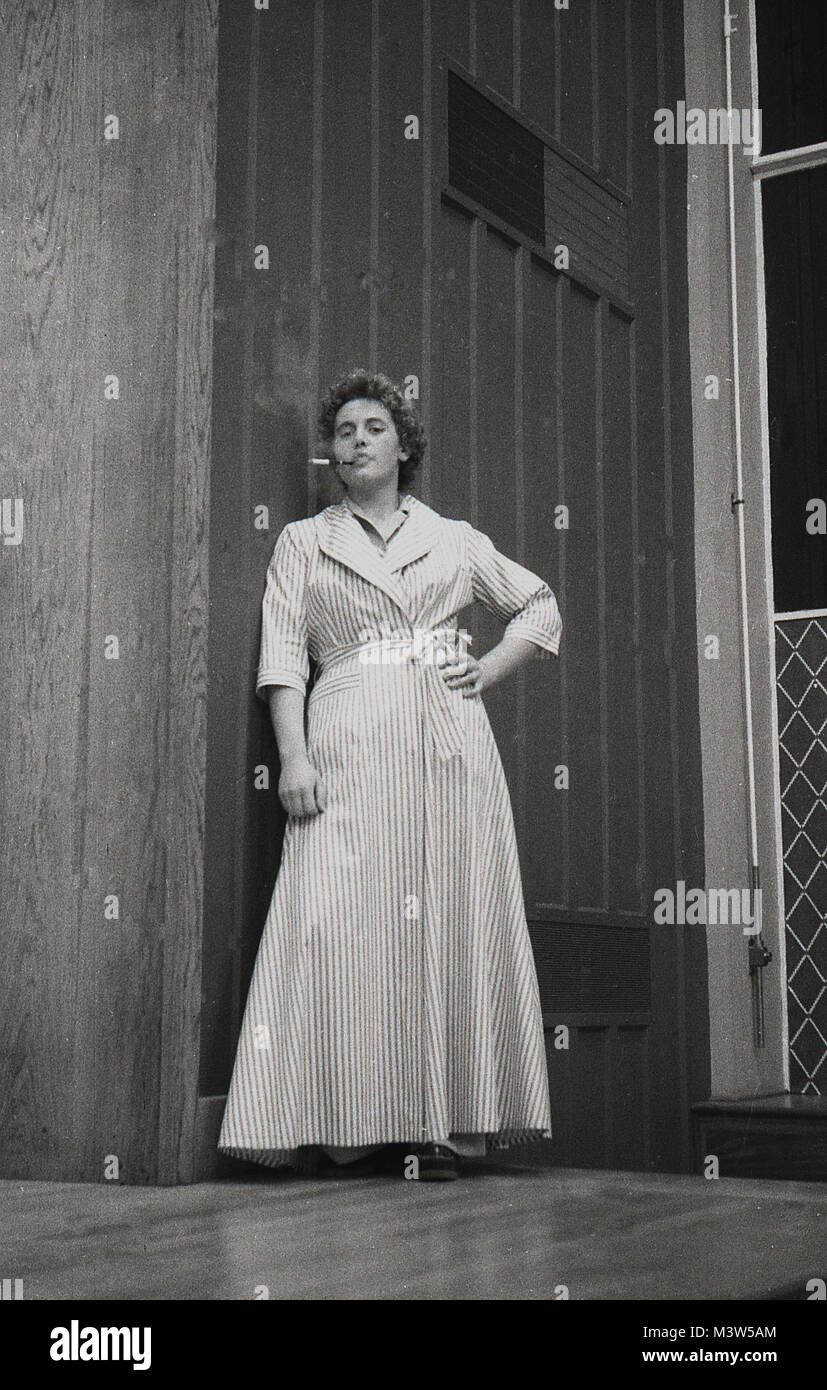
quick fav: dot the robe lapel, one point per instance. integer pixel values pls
(414, 539)
(341, 537)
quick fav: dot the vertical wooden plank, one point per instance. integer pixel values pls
(667, 632)
(447, 33)
(133, 458)
(451, 473)
(621, 564)
(281, 393)
(516, 52)
(588, 1147)
(476, 251)
(233, 634)
(495, 385)
(563, 1094)
(668, 73)
(282, 297)
(319, 478)
(560, 302)
(642, 879)
(523, 716)
(666, 1059)
(373, 210)
(121, 265)
(543, 849)
(346, 269)
(50, 322)
(248, 372)
(185, 754)
(612, 89)
(399, 192)
(629, 1098)
(454, 28)
(631, 127)
(596, 91)
(586, 769)
(602, 692)
(495, 40)
(538, 57)
(430, 404)
(232, 638)
(496, 452)
(684, 693)
(284, 300)
(651, 482)
(578, 79)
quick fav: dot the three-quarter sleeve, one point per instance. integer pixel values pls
(283, 659)
(520, 598)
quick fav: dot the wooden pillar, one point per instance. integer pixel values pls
(106, 288)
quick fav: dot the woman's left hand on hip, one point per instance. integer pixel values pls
(464, 673)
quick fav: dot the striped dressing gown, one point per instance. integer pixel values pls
(394, 996)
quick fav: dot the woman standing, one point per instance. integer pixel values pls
(394, 999)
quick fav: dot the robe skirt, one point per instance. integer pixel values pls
(394, 996)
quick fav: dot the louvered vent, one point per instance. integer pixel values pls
(537, 190)
(591, 221)
(494, 160)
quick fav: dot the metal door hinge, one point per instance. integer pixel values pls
(758, 955)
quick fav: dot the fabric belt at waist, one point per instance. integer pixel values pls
(440, 701)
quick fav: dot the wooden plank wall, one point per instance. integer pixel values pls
(106, 269)
(535, 390)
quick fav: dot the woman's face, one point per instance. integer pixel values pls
(366, 444)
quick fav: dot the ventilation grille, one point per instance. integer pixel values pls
(495, 160)
(592, 969)
(506, 169)
(590, 220)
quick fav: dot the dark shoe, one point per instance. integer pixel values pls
(380, 1160)
(437, 1163)
(391, 1157)
(310, 1161)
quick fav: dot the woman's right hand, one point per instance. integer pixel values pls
(301, 789)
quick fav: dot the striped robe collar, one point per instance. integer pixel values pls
(342, 537)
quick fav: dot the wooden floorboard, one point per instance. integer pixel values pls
(501, 1232)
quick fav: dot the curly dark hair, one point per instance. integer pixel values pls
(360, 384)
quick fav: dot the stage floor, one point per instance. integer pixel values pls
(503, 1231)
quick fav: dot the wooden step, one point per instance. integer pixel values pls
(776, 1136)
